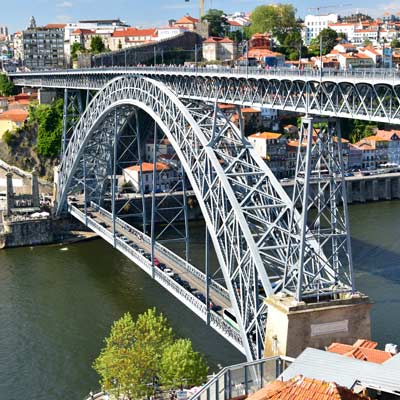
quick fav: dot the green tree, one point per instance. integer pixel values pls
(137, 351)
(49, 122)
(277, 19)
(75, 49)
(367, 42)
(217, 22)
(180, 364)
(97, 45)
(329, 41)
(7, 88)
(119, 45)
(395, 43)
(9, 138)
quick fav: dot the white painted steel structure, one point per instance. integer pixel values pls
(249, 217)
(372, 94)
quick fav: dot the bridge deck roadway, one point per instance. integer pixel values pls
(193, 280)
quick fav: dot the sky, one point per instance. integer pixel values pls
(146, 13)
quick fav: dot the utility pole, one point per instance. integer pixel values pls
(201, 7)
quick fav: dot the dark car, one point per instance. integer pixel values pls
(186, 285)
(161, 266)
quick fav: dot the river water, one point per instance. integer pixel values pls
(58, 303)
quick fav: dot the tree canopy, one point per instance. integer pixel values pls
(138, 352)
(48, 118)
(75, 49)
(217, 22)
(97, 45)
(7, 88)
(395, 43)
(277, 19)
(329, 41)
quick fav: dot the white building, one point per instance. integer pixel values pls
(169, 32)
(345, 28)
(314, 24)
(166, 177)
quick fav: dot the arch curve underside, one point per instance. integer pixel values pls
(247, 212)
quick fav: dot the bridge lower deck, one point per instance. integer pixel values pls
(137, 246)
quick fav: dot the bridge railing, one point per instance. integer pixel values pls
(162, 249)
(358, 73)
(240, 380)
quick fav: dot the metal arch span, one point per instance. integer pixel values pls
(248, 214)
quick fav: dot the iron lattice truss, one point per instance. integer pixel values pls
(248, 214)
(336, 96)
(320, 192)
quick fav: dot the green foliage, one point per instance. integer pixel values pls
(48, 118)
(7, 88)
(119, 45)
(181, 364)
(137, 351)
(9, 138)
(75, 49)
(97, 45)
(277, 19)
(367, 42)
(329, 41)
(236, 36)
(395, 43)
(355, 130)
(217, 22)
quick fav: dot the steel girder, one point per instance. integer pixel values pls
(337, 97)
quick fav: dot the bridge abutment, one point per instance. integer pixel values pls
(293, 326)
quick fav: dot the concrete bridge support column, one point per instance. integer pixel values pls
(388, 189)
(293, 326)
(362, 198)
(349, 189)
(46, 96)
(35, 189)
(396, 188)
(9, 194)
(375, 190)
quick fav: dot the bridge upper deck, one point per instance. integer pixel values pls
(368, 94)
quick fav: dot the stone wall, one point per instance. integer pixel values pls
(175, 50)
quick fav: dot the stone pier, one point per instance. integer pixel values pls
(35, 190)
(9, 193)
(293, 326)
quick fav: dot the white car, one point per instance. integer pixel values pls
(168, 271)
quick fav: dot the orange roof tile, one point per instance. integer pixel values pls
(302, 388)
(148, 167)
(16, 115)
(135, 32)
(249, 110)
(362, 349)
(187, 19)
(55, 26)
(266, 135)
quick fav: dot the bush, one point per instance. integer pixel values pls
(9, 138)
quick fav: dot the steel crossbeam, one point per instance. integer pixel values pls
(365, 96)
(248, 215)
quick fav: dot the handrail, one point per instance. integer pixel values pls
(361, 73)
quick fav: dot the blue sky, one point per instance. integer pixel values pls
(16, 13)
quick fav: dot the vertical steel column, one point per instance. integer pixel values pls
(186, 215)
(207, 273)
(84, 188)
(140, 160)
(309, 126)
(153, 198)
(114, 176)
(345, 205)
(64, 128)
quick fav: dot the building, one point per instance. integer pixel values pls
(393, 138)
(4, 33)
(301, 387)
(12, 119)
(130, 37)
(165, 150)
(43, 47)
(166, 177)
(348, 61)
(345, 28)
(355, 157)
(219, 49)
(314, 24)
(362, 349)
(169, 32)
(272, 148)
(188, 23)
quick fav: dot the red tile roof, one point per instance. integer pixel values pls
(302, 388)
(135, 32)
(55, 26)
(362, 349)
(83, 32)
(187, 19)
(148, 167)
(266, 135)
(16, 115)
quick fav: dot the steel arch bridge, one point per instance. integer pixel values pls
(259, 237)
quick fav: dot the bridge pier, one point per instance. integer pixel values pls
(293, 326)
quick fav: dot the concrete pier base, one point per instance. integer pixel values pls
(293, 326)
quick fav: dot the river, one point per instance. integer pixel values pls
(57, 303)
